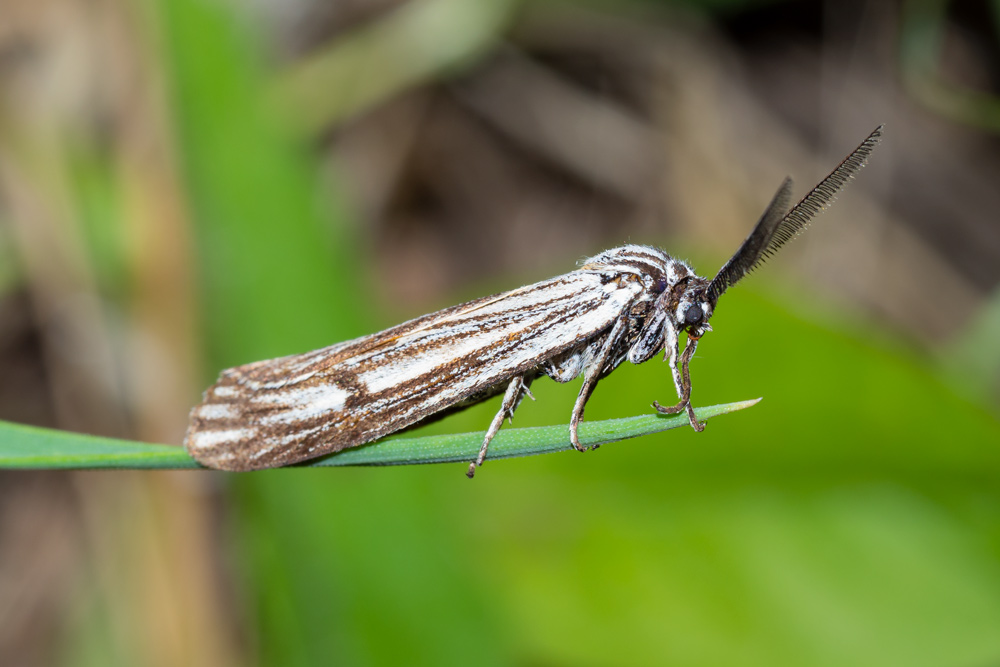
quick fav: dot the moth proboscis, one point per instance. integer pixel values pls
(625, 303)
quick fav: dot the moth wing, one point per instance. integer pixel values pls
(282, 411)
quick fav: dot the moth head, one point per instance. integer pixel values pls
(694, 308)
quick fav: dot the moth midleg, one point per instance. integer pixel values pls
(516, 391)
(591, 375)
(671, 354)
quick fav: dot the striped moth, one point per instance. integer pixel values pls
(626, 303)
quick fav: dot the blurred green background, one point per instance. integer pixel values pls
(188, 185)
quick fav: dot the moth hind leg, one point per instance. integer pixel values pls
(592, 373)
(516, 391)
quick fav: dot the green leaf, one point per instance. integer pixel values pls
(34, 448)
(30, 447)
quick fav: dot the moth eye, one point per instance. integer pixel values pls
(693, 314)
(661, 284)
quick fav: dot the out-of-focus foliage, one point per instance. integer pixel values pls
(274, 258)
(975, 369)
(923, 38)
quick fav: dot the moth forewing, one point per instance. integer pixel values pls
(286, 410)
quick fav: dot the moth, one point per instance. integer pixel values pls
(629, 303)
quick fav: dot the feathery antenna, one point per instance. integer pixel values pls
(774, 229)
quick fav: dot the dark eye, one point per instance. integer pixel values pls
(661, 284)
(693, 314)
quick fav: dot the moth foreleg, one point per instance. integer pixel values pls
(689, 350)
(591, 375)
(670, 354)
(516, 391)
(682, 381)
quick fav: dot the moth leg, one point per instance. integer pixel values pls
(689, 349)
(591, 375)
(695, 424)
(516, 391)
(526, 386)
(682, 381)
(670, 354)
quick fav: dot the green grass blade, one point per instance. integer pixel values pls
(516, 442)
(33, 448)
